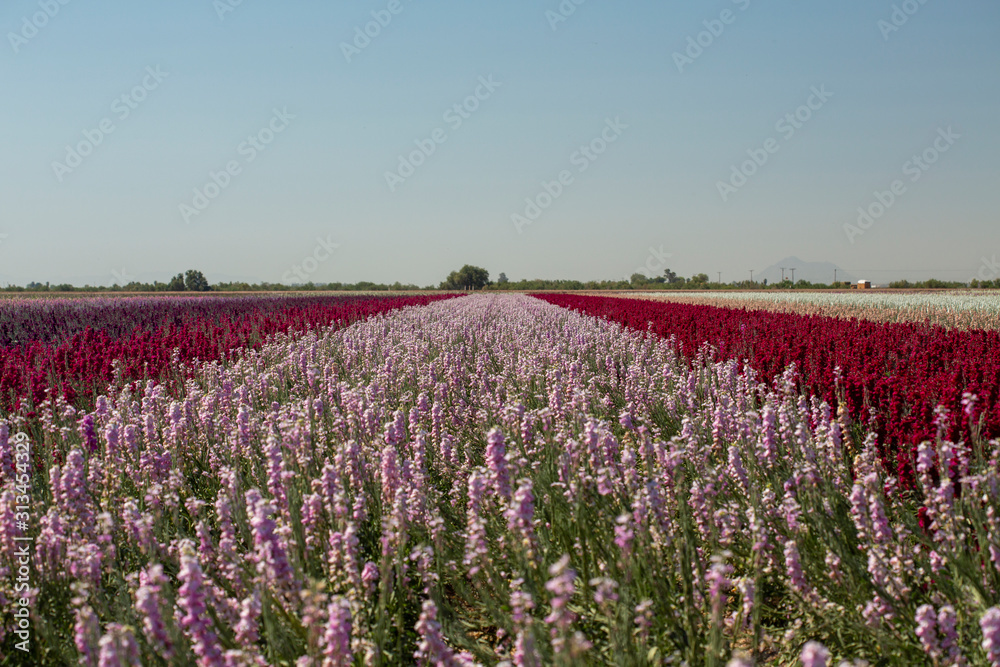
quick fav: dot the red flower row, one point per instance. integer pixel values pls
(79, 364)
(893, 376)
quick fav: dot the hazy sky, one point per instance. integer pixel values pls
(633, 115)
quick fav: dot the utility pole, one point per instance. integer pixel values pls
(835, 277)
(793, 276)
(782, 274)
(751, 276)
(720, 277)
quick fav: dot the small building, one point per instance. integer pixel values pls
(864, 284)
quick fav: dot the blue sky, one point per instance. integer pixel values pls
(315, 201)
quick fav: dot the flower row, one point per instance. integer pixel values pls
(890, 378)
(80, 346)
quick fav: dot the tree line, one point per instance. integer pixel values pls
(473, 278)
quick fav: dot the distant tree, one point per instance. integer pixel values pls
(638, 279)
(699, 279)
(194, 281)
(671, 277)
(176, 283)
(502, 280)
(467, 278)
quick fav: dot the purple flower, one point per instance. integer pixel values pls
(748, 592)
(718, 582)
(768, 439)
(525, 653)
(561, 588)
(624, 535)
(88, 433)
(604, 591)
(118, 647)
(496, 461)
(948, 630)
(520, 514)
(796, 577)
(927, 630)
(521, 605)
(149, 605)
(270, 556)
(736, 468)
(195, 620)
(814, 654)
(990, 625)
(247, 629)
(476, 551)
(644, 618)
(431, 647)
(337, 637)
(86, 630)
(369, 575)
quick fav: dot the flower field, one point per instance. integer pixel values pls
(889, 377)
(75, 347)
(501, 480)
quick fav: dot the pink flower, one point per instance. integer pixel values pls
(431, 648)
(990, 625)
(149, 604)
(195, 620)
(496, 461)
(337, 638)
(814, 654)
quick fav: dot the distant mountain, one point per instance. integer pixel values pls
(814, 272)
